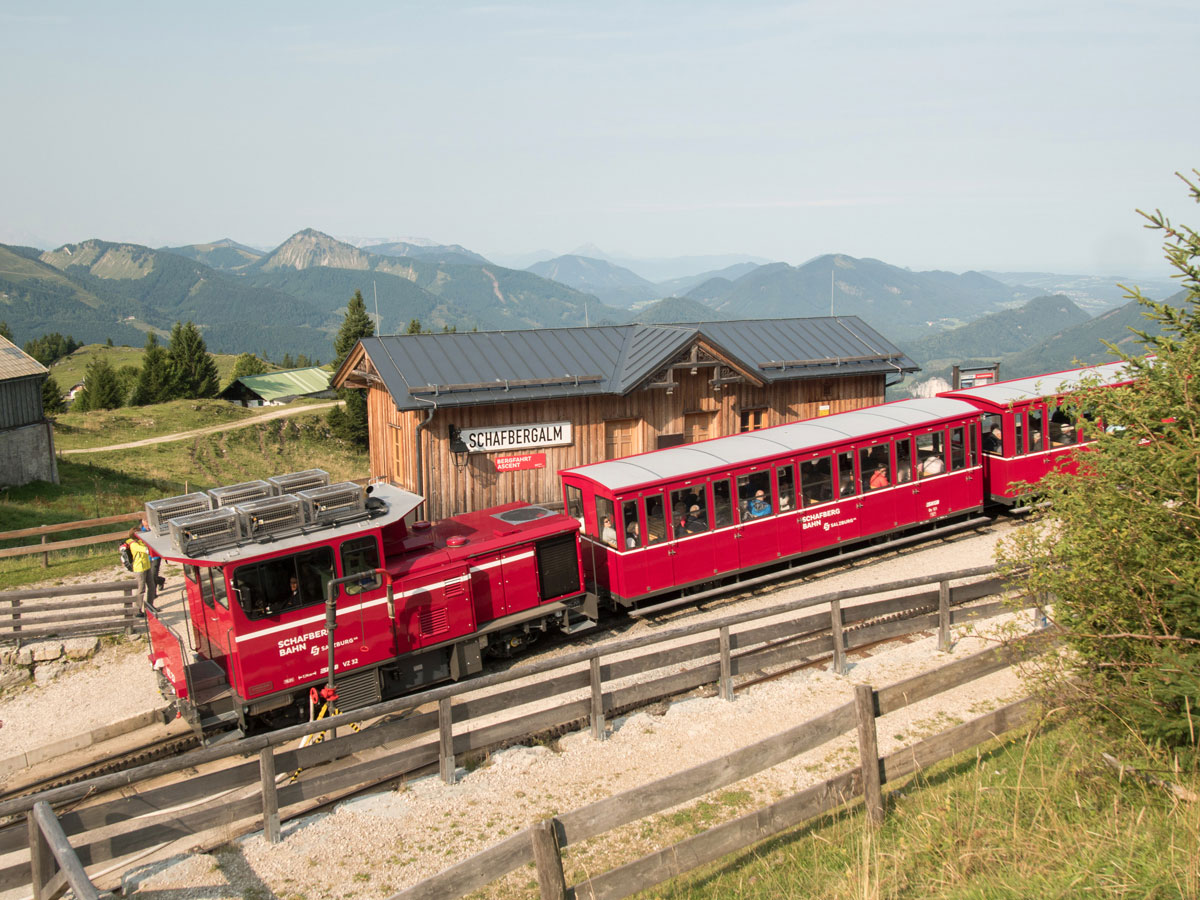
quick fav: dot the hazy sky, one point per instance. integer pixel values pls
(950, 135)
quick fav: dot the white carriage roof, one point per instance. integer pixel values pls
(795, 437)
(1020, 389)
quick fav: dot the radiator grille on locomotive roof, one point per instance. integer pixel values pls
(271, 517)
(342, 502)
(233, 494)
(299, 481)
(160, 512)
(206, 532)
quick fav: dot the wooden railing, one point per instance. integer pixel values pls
(22, 620)
(43, 530)
(585, 686)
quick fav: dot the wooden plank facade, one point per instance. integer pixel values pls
(707, 399)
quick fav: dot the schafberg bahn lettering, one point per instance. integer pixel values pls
(517, 437)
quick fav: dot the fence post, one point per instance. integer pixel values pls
(16, 616)
(127, 592)
(445, 741)
(597, 700)
(266, 771)
(49, 850)
(839, 646)
(725, 684)
(944, 616)
(41, 860)
(546, 855)
(868, 751)
(45, 555)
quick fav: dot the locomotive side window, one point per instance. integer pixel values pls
(361, 555)
(904, 461)
(958, 449)
(816, 480)
(574, 504)
(211, 581)
(845, 475)
(754, 496)
(280, 585)
(605, 521)
(722, 503)
(993, 434)
(689, 510)
(630, 530)
(875, 467)
(656, 519)
(787, 488)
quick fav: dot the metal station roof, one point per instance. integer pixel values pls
(16, 363)
(291, 383)
(795, 437)
(508, 366)
(1019, 390)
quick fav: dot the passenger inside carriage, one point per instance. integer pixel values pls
(1062, 432)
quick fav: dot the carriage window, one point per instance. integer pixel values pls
(211, 581)
(280, 585)
(574, 504)
(845, 475)
(656, 519)
(1062, 431)
(787, 488)
(931, 454)
(993, 434)
(1035, 430)
(629, 525)
(361, 555)
(903, 461)
(1019, 424)
(972, 443)
(689, 510)
(605, 521)
(754, 496)
(875, 467)
(722, 503)
(816, 480)
(958, 450)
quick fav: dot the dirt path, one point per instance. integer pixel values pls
(196, 432)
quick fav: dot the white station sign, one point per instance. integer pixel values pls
(517, 437)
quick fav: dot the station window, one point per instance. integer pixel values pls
(816, 480)
(754, 496)
(606, 525)
(574, 503)
(993, 434)
(752, 419)
(689, 510)
(285, 583)
(875, 467)
(361, 555)
(904, 458)
(630, 529)
(722, 503)
(787, 488)
(845, 475)
(656, 518)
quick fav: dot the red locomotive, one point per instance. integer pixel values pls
(273, 568)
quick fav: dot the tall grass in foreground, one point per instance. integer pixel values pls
(1035, 816)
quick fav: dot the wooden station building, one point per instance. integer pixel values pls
(478, 419)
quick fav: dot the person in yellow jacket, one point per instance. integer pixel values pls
(142, 570)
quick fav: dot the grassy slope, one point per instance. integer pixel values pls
(107, 483)
(1037, 817)
(71, 369)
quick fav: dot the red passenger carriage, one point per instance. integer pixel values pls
(411, 606)
(1026, 431)
(705, 512)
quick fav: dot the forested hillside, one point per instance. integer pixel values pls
(613, 284)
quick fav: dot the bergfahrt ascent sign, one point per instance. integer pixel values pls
(516, 437)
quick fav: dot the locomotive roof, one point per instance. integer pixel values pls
(1019, 390)
(397, 504)
(724, 452)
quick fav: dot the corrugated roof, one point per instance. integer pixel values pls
(794, 437)
(291, 383)
(1020, 389)
(16, 363)
(509, 366)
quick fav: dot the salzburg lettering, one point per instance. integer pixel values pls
(516, 437)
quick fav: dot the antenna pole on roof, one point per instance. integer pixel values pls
(831, 271)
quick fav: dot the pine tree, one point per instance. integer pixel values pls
(414, 326)
(247, 364)
(52, 399)
(101, 387)
(1119, 549)
(349, 421)
(287, 361)
(5, 332)
(193, 371)
(154, 382)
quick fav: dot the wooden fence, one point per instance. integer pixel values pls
(442, 724)
(23, 618)
(45, 548)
